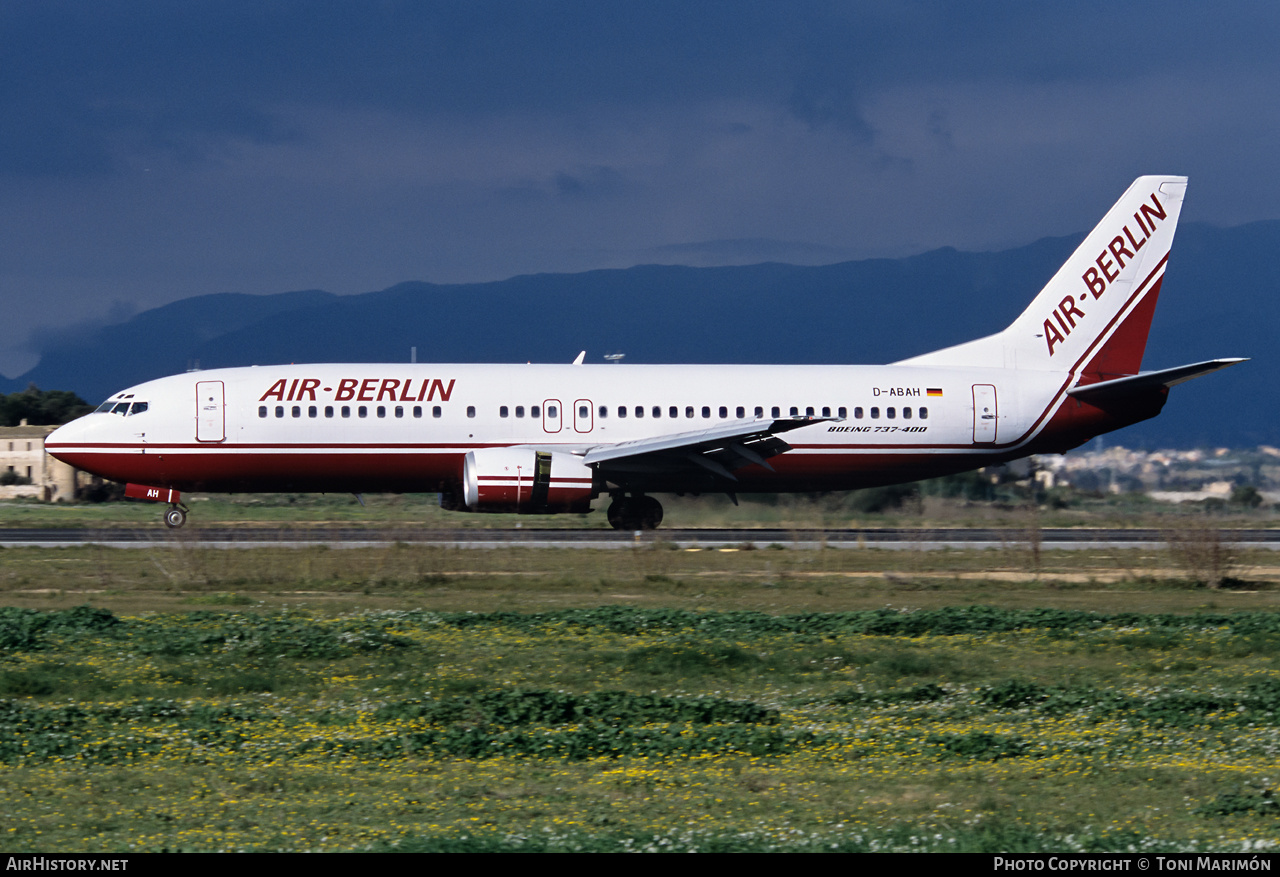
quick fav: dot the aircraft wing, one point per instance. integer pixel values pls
(1149, 380)
(718, 450)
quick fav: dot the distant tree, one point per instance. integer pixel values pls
(101, 490)
(1246, 495)
(41, 407)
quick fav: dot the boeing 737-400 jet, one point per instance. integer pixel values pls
(545, 439)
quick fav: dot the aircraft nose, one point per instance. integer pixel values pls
(64, 436)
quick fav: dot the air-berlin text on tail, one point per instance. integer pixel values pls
(362, 390)
(1122, 249)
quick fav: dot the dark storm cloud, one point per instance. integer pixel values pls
(81, 83)
(155, 150)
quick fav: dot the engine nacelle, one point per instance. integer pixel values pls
(526, 481)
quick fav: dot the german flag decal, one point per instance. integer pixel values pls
(933, 391)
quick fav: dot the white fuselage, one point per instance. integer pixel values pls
(407, 427)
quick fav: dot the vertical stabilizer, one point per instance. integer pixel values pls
(1094, 314)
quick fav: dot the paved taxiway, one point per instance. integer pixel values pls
(887, 538)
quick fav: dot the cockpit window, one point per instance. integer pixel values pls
(124, 408)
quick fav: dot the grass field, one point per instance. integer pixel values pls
(805, 511)
(422, 698)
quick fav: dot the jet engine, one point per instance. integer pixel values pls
(526, 481)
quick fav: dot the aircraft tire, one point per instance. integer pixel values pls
(635, 513)
(619, 513)
(648, 512)
(174, 518)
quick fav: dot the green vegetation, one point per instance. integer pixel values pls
(41, 407)
(959, 501)
(621, 727)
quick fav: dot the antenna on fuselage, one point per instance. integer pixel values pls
(615, 358)
(413, 354)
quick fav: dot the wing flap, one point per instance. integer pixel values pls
(718, 450)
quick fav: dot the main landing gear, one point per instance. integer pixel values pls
(634, 513)
(175, 516)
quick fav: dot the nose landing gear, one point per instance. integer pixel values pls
(175, 516)
(634, 513)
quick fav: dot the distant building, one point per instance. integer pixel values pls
(22, 453)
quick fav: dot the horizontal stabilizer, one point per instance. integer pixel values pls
(1149, 380)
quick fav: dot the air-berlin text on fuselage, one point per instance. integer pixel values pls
(1105, 270)
(362, 390)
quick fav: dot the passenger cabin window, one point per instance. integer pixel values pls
(775, 411)
(706, 410)
(262, 412)
(328, 411)
(924, 413)
(688, 411)
(502, 412)
(875, 413)
(362, 411)
(826, 411)
(436, 411)
(604, 411)
(313, 411)
(724, 412)
(622, 410)
(535, 411)
(741, 412)
(809, 411)
(382, 410)
(795, 412)
(673, 412)
(639, 411)
(906, 413)
(857, 412)
(759, 411)
(657, 410)
(417, 410)
(346, 410)
(297, 410)
(399, 411)
(842, 412)
(471, 411)
(279, 411)
(519, 411)
(584, 411)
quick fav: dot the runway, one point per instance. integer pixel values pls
(890, 538)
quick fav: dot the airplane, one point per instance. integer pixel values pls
(548, 438)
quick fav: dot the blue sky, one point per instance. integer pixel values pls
(154, 151)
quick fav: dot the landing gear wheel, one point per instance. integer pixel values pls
(175, 517)
(648, 512)
(635, 513)
(618, 513)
